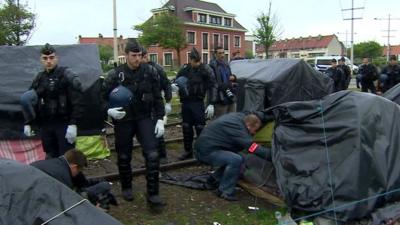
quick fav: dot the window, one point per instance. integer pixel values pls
(226, 42)
(216, 40)
(153, 57)
(226, 57)
(168, 59)
(188, 57)
(205, 41)
(205, 57)
(191, 37)
(237, 41)
(202, 18)
(216, 20)
(228, 22)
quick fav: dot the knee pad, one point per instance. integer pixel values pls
(123, 158)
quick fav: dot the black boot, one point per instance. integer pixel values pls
(152, 177)
(125, 176)
(127, 194)
(188, 133)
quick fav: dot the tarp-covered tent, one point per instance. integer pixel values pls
(356, 134)
(393, 94)
(265, 83)
(20, 64)
(29, 196)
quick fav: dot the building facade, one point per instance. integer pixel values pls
(206, 25)
(308, 47)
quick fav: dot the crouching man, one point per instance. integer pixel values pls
(219, 144)
(67, 170)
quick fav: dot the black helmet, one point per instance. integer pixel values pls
(28, 101)
(47, 49)
(133, 46)
(182, 84)
(120, 97)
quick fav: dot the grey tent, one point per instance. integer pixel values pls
(265, 83)
(19, 65)
(357, 135)
(393, 94)
(29, 196)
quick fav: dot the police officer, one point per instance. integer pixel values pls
(139, 84)
(346, 72)
(226, 99)
(337, 75)
(194, 80)
(59, 105)
(219, 144)
(368, 74)
(390, 75)
(165, 85)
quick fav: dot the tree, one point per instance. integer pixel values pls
(267, 30)
(371, 49)
(166, 30)
(16, 23)
(106, 53)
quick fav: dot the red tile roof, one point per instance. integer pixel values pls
(394, 50)
(302, 43)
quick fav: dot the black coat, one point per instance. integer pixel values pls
(57, 168)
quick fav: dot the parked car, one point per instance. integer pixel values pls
(322, 63)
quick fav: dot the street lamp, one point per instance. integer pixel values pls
(388, 36)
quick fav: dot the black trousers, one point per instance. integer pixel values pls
(368, 85)
(53, 138)
(193, 114)
(144, 131)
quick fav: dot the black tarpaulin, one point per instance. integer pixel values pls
(29, 196)
(356, 135)
(266, 83)
(393, 94)
(20, 64)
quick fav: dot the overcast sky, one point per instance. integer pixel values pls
(61, 21)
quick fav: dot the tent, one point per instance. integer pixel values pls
(29, 196)
(341, 153)
(393, 94)
(265, 83)
(19, 65)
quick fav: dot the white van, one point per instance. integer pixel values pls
(322, 63)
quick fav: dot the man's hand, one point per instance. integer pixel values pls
(209, 111)
(116, 113)
(71, 133)
(159, 130)
(28, 131)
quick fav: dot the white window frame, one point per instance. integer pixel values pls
(219, 39)
(198, 18)
(208, 57)
(150, 54)
(240, 41)
(187, 37)
(172, 58)
(208, 40)
(223, 45)
(187, 57)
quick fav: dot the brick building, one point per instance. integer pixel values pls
(394, 50)
(107, 41)
(206, 25)
(304, 47)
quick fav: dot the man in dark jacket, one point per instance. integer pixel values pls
(220, 142)
(67, 170)
(226, 95)
(368, 74)
(59, 105)
(194, 80)
(134, 115)
(390, 75)
(165, 85)
(347, 73)
(337, 75)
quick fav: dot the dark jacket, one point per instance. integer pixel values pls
(57, 168)
(60, 95)
(144, 83)
(222, 85)
(338, 77)
(228, 133)
(347, 75)
(368, 72)
(393, 73)
(200, 82)
(164, 82)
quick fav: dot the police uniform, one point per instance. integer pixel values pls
(338, 77)
(199, 82)
(146, 103)
(392, 73)
(165, 85)
(347, 76)
(59, 105)
(368, 75)
(219, 144)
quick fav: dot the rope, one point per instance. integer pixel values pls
(66, 210)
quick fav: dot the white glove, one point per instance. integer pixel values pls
(159, 131)
(210, 111)
(71, 133)
(174, 87)
(116, 113)
(165, 119)
(168, 108)
(28, 131)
